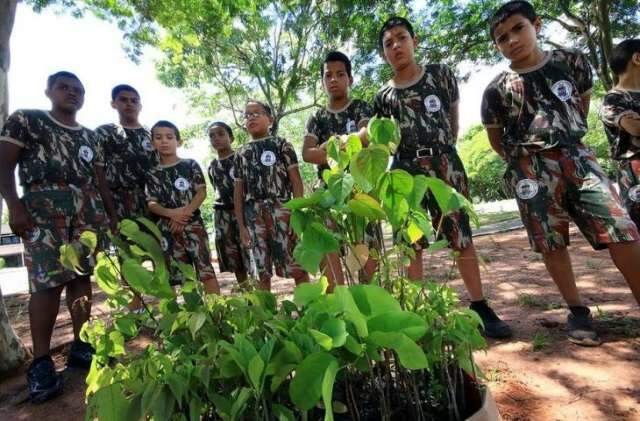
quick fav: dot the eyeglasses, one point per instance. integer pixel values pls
(249, 116)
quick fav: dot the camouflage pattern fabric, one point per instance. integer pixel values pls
(262, 165)
(129, 156)
(221, 174)
(174, 186)
(272, 238)
(619, 103)
(629, 182)
(232, 257)
(56, 170)
(540, 107)
(327, 122)
(447, 167)
(555, 186)
(421, 108)
(190, 247)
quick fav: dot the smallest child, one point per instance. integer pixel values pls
(175, 190)
(621, 117)
(231, 255)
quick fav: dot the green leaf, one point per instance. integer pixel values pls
(410, 354)
(308, 292)
(336, 329)
(411, 324)
(70, 259)
(299, 221)
(111, 402)
(322, 339)
(152, 227)
(308, 259)
(347, 304)
(414, 232)
(283, 413)
(328, 380)
(317, 237)
(177, 385)
(438, 245)
(240, 403)
(368, 165)
(89, 240)
(341, 186)
(131, 230)
(353, 145)
(256, 367)
(382, 131)
(396, 181)
(306, 387)
(304, 202)
(195, 323)
(366, 206)
(420, 185)
(195, 409)
(373, 300)
(127, 325)
(106, 275)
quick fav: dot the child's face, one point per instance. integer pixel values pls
(257, 120)
(336, 80)
(128, 105)
(165, 141)
(516, 37)
(398, 47)
(66, 94)
(219, 138)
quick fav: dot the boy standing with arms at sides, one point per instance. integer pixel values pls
(424, 102)
(536, 116)
(231, 254)
(266, 176)
(621, 116)
(128, 153)
(175, 191)
(61, 172)
(341, 116)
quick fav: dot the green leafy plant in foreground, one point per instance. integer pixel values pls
(393, 348)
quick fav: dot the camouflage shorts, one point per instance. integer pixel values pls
(130, 203)
(61, 214)
(555, 186)
(190, 247)
(232, 257)
(272, 238)
(629, 181)
(447, 167)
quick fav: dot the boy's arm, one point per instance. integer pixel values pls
(160, 210)
(631, 124)
(107, 199)
(454, 119)
(495, 139)
(238, 208)
(19, 219)
(312, 152)
(585, 102)
(296, 181)
(200, 196)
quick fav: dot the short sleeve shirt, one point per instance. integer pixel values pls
(52, 152)
(129, 155)
(174, 186)
(541, 106)
(620, 103)
(262, 165)
(421, 107)
(221, 174)
(327, 122)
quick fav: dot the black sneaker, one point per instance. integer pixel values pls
(43, 381)
(579, 328)
(493, 326)
(80, 355)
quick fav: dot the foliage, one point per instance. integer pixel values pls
(393, 349)
(596, 139)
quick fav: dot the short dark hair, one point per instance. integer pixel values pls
(336, 56)
(122, 88)
(51, 80)
(391, 23)
(504, 12)
(168, 124)
(223, 125)
(622, 54)
(264, 105)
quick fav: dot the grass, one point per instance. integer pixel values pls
(540, 341)
(496, 217)
(528, 300)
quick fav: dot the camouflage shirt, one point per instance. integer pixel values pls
(221, 174)
(128, 153)
(51, 151)
(619, 103)
(540, 106)
(421, 107)
(174, 186)
(327, 122)
(263, 167)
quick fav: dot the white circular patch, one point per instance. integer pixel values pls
(634, 194)
(432, 103)
(526, 189)
(164, 244)
(351, 126)
(40, 274)
(563, 90)
(147, 146)
(268, 158)
(182, 184)
(33, 234)
(86, 153)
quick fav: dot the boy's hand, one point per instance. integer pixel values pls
(179, 216)
(176, 227)
(245, 238)
(211, 286)
(19, 220)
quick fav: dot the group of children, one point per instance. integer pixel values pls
(535, 114)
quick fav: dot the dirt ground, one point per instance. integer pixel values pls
(537, 375)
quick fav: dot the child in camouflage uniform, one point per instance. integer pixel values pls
(535, 115)
(341, 116)
(231, 254)
(266, 176)
(62, 176)
(424, 102)
(175, 191)
(128, 153)
(621, 116)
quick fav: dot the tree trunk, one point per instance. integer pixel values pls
(605, 41)
(12, 352)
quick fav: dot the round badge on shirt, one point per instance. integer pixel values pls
(268, 158)
(85, 153)
(634, 194)
(182, 184)
(432, 103)
(164, 244)
(351, 126)
(526, 189)
(563, 90)
(147, 146)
